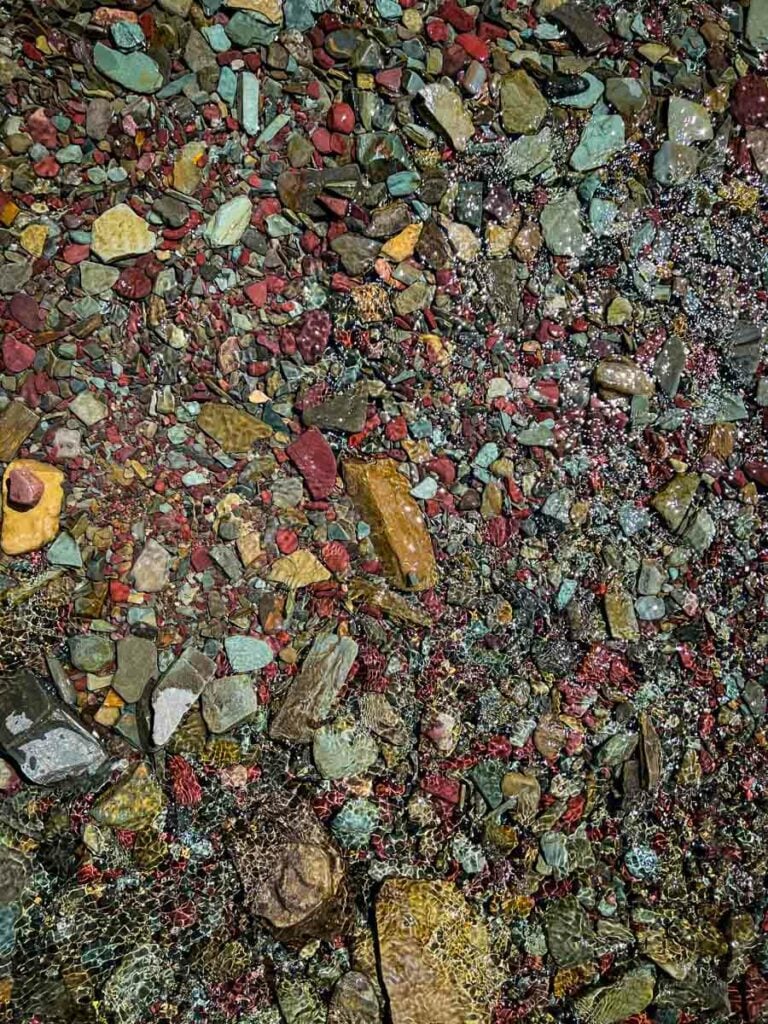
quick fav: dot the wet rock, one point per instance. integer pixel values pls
(344, 412)
(41, 736)
(601, 139)
(688, 122)
(627, 996)
(247, 653)
(136, 667)
(445, 107)
(579, 21)
(561, 225)
(354, 1001)
(674, 501)
(623, 376)
(228, 702)
(233, 430)
(675, 164)
(177, 690)
(16, 424)
(757, 24)
(30, 528)
(228, 224)
(91, 653)
(132, 803)
(136, 72)
(523, 108)
(314, 458)
(24, 489)
(669, 365)
(340, 751)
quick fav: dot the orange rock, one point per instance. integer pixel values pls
(398, 532)
(29, 530)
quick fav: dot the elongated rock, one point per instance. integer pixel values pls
(398, 531)
(623, 376)
(231, 428)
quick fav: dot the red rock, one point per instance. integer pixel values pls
(474, 46)
(26, 311)
(341, 118)
(133, 283)
(24, 489)
(757, 471)
(17, 356)
(312, 339)
(312, 456)
(47, 167)
(749, 101)
(75, 253)
(42, 129)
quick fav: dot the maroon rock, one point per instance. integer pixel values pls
(17, 356)
(24, 489)
(312, 456)
(133, 283)
(26, 311)
(312, 338)
(749, 101)
(757, 471)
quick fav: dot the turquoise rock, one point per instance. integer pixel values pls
(72, 154)
(246, 29)
(216, 37)
(136, 72)
(227, 85)
(340, 751)
(602, 214)
(247, 653)
(561, 225)
(675, 164)
(354, 825)
(425, 489)
(389, 9)
(529, 156)
(227, 225)
(298, 15)
(64, 551)
(127, 35)
(248, 93)
(588, 98)
(565, 594)
(537, 436)
(91, 653)
(403, 183)
(602, 138)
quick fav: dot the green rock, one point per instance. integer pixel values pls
(673, 501)
(133, 803)
(96, 278)
(340, 751)
(624, 998)
(523, 108)
(136, 666)
(136, 72)
(65, 551)
(561, 225)
(229, 223)
(675, 164)
(528, 156)
(757, 24)
(248, 91)
(127, 35)
(584, 100)
(91, 653)
(248, 653)
(245, 30)
(229, 701)
(353, 826)
(445, 108)
(602, 138)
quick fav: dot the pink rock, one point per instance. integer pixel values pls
(312, 456)
(17, 356)
(24, 489)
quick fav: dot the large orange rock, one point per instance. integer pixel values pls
(29, 530)
(398, 532)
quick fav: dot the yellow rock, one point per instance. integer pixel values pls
(120, 232)
(33, 239)
(9, 213)
(232, 429)
(271, 10)
(402, 246)
(299, 569)
(187, 170)
(434, 952)
(398, 532)
(31, 529)
(249, 546)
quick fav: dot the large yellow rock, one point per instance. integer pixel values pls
(398, 532)
(435, 956)
(403, 245)
(120, 232)
(31, 529)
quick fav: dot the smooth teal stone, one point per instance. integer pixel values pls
(72, 154)
(127, 35)
(96, 175)
(564, 595)
(487, 455)
(588, 98)
(226, 226)
(403, 183)
(177, 85)
(194, 478)
(425, 489)
(136, 72)
(65, 551)
(298, 15)
(353, 826)
(275, 125)
(602, 214)
(63, 123)
(177, 434)
(245, 29)
(389, 9)
(216, 37)
(602, 138)
(538, 436)
(248, 97)
(227, 85)
(561, 225)
(117, 174)
(247, 653)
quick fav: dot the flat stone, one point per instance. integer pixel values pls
(299, 569)
(523, 108)
(445, 107)
(14, 276)
(247, 653)
(31, 529)
(669, 365)
(16, 424)
(65, 551)
(620, 614)
(675, 164)
(198, 55)
(88, 408)
(232, 429)
(434, 951)
(578, 20)
(627, 95)
(91, 653)
(312, 693)
(120, 232)
(188, 169)
(601, 139)
(344, 412)
(136, 667)
(136, 72)
(621, 375)
(151, 570)
(341, 751)
(41, 736)
(248, 95)
(673, 501)
(228, 702)
(757, 24)
(228, 224)
(177, 691)
(96, 279)
(314, 459)
(398, 531)
(357, 253)
(133, 803)
(98, 118)
(626, 997)
(173, 212)
(561, 224)
(688, 122)
(269, 10)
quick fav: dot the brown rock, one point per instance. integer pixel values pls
(398, 531)
(16, 424)
(434, 953)
(232, 429)
(30, 529)
(621, 375)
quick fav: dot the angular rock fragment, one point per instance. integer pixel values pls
(312, 693)
(177, 691)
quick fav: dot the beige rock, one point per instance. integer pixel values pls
(231, 428)
(270, 10)
(33, 239)
(120, 232)
(16, 424)
(187, 170)
(299, 569)
(29, 530)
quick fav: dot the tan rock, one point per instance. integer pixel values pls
(29, 530)
(299, 569)
(398, 531)
(16, 424)
(33, 239)
(620, 374)
(434, 952)
(120, 232)
(187, 170)
(270, 10)
(233, 430)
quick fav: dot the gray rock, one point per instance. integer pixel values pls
(229, 701)
(345, 412)
(41, 736)
(177, 691)
(579, 22)
(151, 570)
(357, 253)
(172, 211)
(197, 53)
(13, 276)
(91, 653)
(745, 350)
(675, 164)
(757, 24)
(650, 609)
(98, 118)
(136, 666)
(627, 95)
(561, 225)
(669, 365)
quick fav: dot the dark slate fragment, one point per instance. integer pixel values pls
(580, 23)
